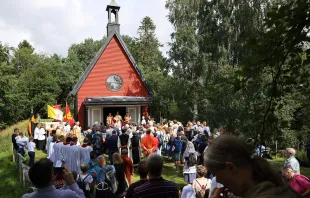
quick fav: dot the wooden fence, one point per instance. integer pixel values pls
(23, 170)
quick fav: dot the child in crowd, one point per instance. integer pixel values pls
(201, 185)
(85, 180)
(31, 150)
(129, 169)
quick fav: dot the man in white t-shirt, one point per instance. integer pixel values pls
(216, 189)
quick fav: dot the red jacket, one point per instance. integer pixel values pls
(128, 165)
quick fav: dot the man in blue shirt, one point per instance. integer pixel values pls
(102, 169)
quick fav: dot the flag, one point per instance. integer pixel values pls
(68, 116)
(54, 113)
(29, 128)
(57, 107)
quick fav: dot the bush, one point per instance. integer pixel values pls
(302, 155)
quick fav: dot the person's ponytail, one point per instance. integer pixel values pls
(262, 171)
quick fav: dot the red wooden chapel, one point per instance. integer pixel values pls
(112, 82)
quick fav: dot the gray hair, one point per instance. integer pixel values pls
(155, 164)
(100, 158)
(291, 151)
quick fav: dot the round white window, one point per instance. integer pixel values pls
(114, 82)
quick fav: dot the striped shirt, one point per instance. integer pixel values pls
(155, 188)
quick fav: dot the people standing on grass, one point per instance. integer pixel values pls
(148, 144)
(129, 169)
(15, 146)
(21, 141)
(31, 150)
(41, 137)
(176, 152)
(119, 166)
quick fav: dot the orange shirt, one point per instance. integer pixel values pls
(148, 142)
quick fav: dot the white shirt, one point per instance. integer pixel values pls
(214, 185)
(41, 135)
(67, 128)
(36, 133)
(21, 142)
(31, 146)
(207, 129)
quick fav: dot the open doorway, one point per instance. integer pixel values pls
(113, 110)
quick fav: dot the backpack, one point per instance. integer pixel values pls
(98, 141)
(177, 145)
(192, 159)
(81, 183)
(201, 193)
(111, 180)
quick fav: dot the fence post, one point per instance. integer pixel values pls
(276, 148)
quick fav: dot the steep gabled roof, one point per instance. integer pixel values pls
(96, 58)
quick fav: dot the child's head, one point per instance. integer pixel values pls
(30, 139)
(124, 152)
(84, 167)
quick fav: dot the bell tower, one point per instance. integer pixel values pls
(113, 23)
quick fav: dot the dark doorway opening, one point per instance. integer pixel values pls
(113, 110)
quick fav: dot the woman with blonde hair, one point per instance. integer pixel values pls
(229, 158)
(299, 183)
(119, 166)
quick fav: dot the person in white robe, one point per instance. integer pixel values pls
(57, 154)
(64, 151)
(74, 156)
(49, 140)
(50, 150)
(86, 149)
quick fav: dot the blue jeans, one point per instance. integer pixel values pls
(31, 156)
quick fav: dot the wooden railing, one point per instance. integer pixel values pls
(23, 170)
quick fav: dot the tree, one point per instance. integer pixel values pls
(280, 65)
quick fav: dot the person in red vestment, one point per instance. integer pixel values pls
(146, 114)
(128, 165)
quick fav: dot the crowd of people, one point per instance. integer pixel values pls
(214, 164)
